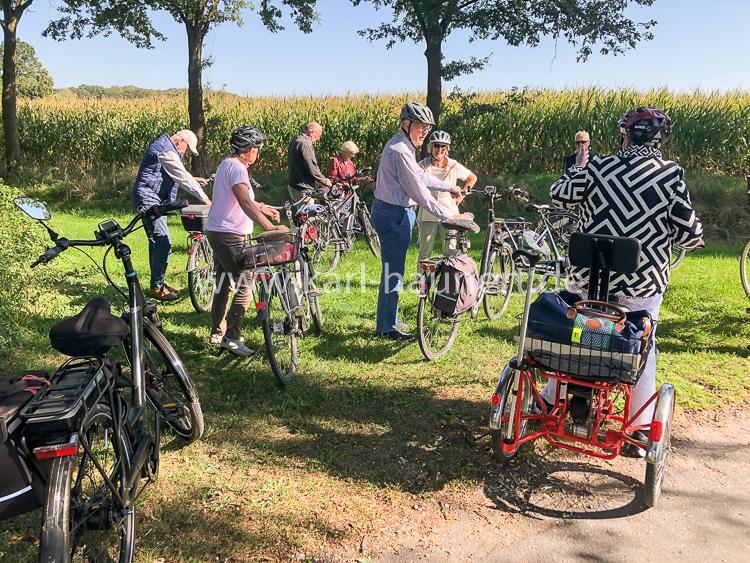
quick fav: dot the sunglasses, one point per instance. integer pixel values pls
(582, 142)
(439, 146)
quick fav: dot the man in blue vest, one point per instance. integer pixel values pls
(159, 175)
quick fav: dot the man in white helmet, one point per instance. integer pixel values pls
(160, 174)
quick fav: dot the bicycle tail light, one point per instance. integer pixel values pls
(58, 450)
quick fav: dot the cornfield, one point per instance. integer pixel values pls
(518, 131)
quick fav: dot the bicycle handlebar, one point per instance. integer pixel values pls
(106, 238)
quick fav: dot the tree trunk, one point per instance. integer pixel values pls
(195, 96)
(434, 54)
(10, 118)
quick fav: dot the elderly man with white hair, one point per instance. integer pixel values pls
(160, 174)
(304, 173)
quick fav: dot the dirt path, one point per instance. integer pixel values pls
(564, 507)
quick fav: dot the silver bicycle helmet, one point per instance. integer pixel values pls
(246, 137)
(440, 137)
(420, 113)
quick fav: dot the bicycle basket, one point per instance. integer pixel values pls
(590, 363)
(581, 342)
(270, 250)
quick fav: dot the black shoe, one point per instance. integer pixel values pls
(396, 335)
(631, 450)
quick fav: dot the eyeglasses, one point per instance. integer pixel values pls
(439, 146)
(583, 142)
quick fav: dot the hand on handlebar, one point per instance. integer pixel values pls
(282, 228)
(202, 182)
(270, 212)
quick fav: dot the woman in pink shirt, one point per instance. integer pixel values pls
(343, 164)
(230, 221)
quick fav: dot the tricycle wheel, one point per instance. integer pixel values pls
(658, 450)
(501, 410)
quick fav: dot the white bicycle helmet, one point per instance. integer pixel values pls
(440, 137)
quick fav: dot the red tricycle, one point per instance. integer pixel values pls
(590, 371)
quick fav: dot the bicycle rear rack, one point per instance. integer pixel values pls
(77, 386)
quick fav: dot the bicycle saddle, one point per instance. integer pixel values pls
(92, 332)
(460, 225)
(537, 207)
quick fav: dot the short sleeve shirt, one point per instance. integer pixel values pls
(226, 215)
(451, 174)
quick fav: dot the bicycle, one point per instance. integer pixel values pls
(200, 262)
(287, 302)
(89, 441)
(437, 314)
(332, 232)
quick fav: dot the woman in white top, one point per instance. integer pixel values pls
(447, 170)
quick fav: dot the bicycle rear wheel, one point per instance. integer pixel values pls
(498, 274)
(201, 275)
(369, 231)
(435, 331)
(320, 233)
(279, 330)
(169, 387)
(82, 519)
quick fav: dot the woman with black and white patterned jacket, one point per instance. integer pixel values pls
(634, 193)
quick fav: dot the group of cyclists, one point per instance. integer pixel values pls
(633, 193)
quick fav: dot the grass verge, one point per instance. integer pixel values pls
(367, 427)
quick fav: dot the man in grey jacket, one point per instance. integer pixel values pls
(304, 172)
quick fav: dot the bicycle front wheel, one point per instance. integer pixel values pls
(169, 387)
(279, 330)
(436, 331)
(369, 231)
(498, 281)
(201, 275)
(82, 519)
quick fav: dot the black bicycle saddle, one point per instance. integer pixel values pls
(460, 225)
(92, 332)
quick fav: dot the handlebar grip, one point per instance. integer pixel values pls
(530, 207)
(532, 257)
(162, 209)
(50, 254)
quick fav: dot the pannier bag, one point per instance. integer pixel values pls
(458, 285)
(20, 489)
(270, 251)
(194, 218)
(566, 335)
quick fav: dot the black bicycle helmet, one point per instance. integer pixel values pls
(440, 137)
(420, 113)
(647, 126)
(245, 138)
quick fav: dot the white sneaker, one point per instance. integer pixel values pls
(401, 326)
(215, 339)
(237, 347)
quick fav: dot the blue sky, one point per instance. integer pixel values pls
(698, 43)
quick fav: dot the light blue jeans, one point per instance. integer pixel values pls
(394, 225)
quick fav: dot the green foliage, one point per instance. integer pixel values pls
(583, 23)
(517, 131)
(32, 79)
(21, 243)
(128, 92)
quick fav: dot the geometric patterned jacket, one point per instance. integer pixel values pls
(634, 193)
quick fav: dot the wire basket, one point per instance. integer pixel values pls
(593, 356)
(271, 250)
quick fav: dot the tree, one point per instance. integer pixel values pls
(12, 12)
(32, 79)
(132, 20)
(583, 23)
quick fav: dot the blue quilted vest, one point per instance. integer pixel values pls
(153, 185)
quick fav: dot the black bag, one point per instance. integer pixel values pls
(21, 490)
